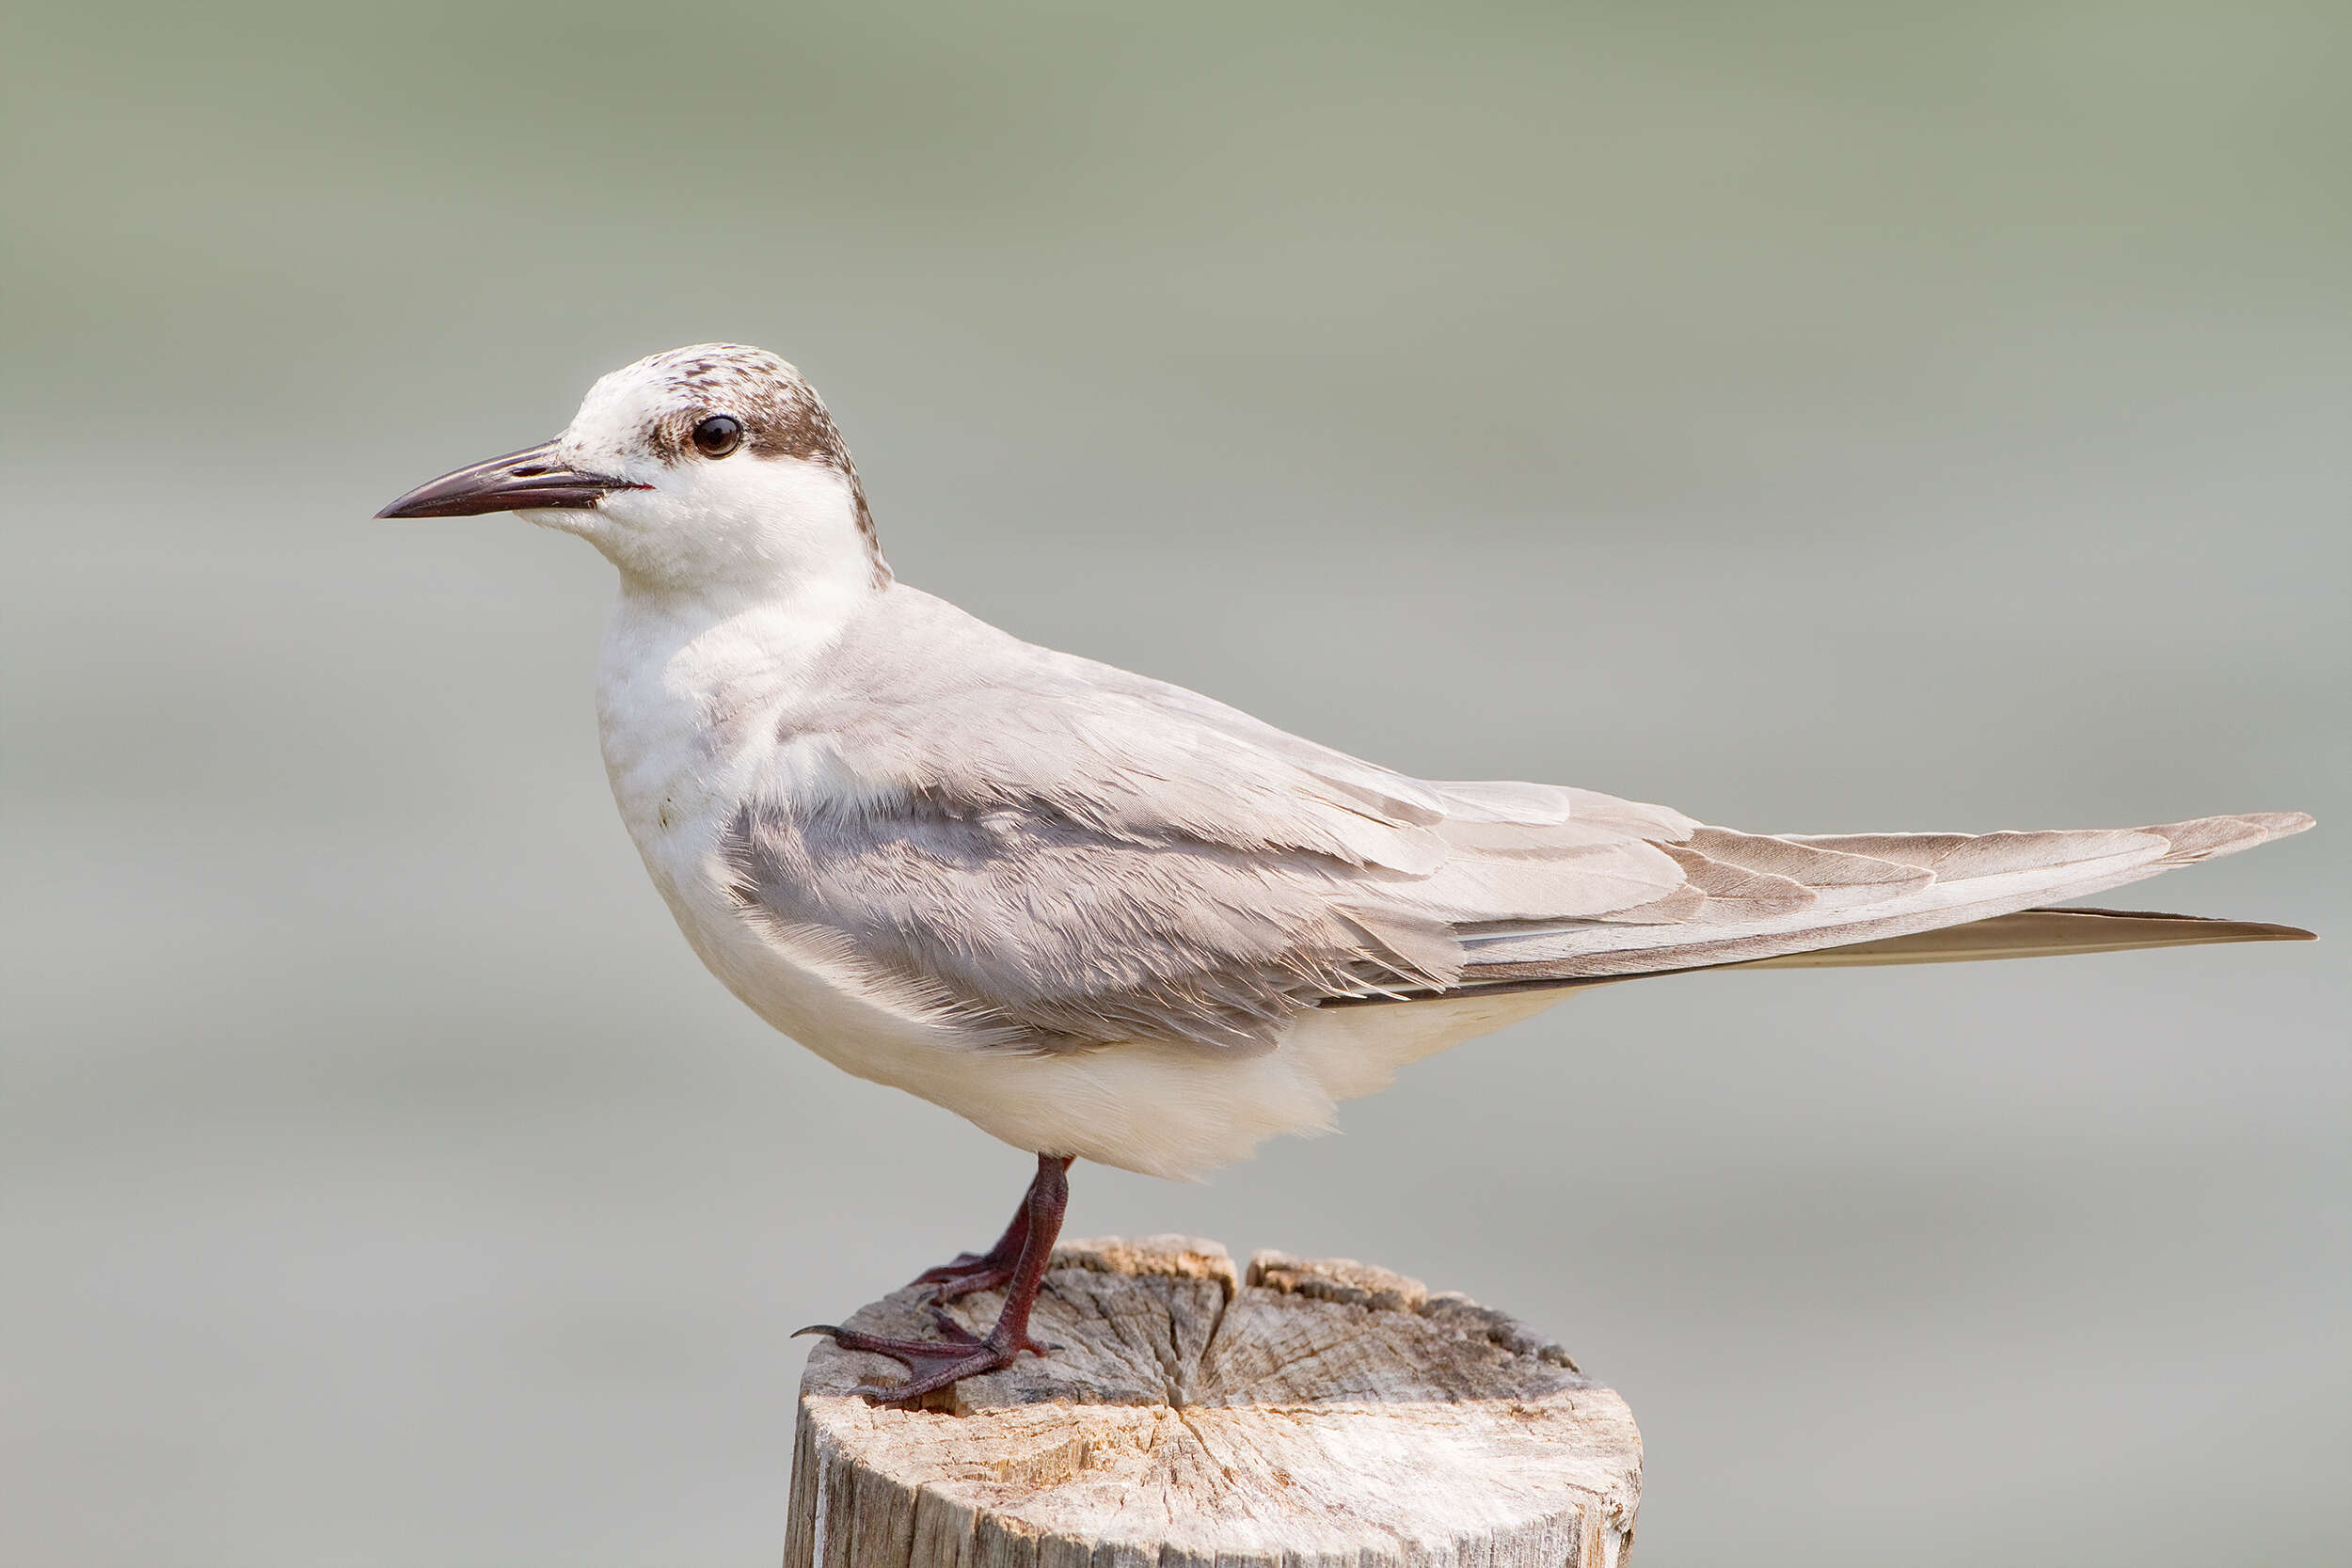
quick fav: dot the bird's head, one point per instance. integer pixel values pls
(707, 468)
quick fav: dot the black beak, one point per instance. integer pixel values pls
(533, 476)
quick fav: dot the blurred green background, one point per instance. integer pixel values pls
(1817, 416)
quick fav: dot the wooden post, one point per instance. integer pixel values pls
(1306, 1413)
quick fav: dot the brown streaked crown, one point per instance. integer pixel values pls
(782, 416)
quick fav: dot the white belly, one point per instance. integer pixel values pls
(1157, 1108)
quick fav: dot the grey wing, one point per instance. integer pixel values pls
(1057, 854)
(1030, 929)
(1062, 855)
(1764, 897)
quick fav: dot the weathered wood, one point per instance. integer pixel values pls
(1306, 1414)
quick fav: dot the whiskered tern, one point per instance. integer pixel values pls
(1107, 918)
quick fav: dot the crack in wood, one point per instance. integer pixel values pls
(1308, 1413)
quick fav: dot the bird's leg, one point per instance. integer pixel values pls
(963, 1354)
(983, 1271)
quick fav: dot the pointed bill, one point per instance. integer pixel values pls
(535, 477)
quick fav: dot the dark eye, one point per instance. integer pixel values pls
(718, 436)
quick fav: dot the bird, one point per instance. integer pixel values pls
(1107, 918)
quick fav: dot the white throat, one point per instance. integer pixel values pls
(750, 531)
(719, 617)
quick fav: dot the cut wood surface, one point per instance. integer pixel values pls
(1299, 1413)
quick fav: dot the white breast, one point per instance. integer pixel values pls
(690, 706)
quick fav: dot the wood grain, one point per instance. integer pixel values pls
(1303, 1413)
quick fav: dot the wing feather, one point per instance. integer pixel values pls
(1058, 855)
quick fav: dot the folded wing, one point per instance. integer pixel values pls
(1058, 855)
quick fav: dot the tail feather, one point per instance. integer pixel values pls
(2038, 933)
(1884, 899)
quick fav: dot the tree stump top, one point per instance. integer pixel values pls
(1304, 1411)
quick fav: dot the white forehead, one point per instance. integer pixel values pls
(623, 408)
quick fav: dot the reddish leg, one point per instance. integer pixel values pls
(985, 1271)
(963, 1354)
